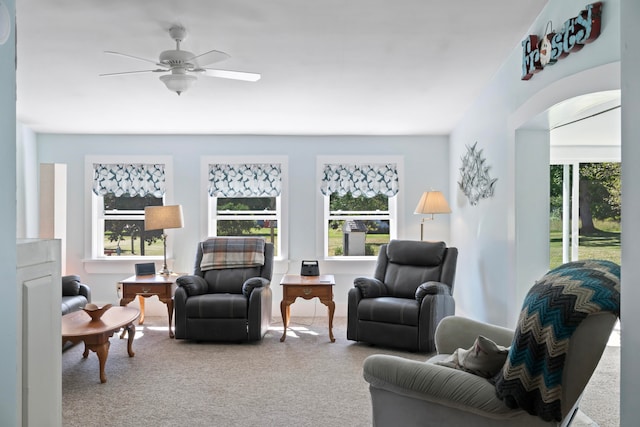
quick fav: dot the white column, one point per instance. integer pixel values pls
(53, 205)
(566, 215)
(575, 212)
(630, 340)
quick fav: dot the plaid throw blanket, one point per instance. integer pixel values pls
(554, 307)
(232, 252)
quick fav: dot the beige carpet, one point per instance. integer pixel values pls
(305, 381)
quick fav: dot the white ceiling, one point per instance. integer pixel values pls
(368, 67)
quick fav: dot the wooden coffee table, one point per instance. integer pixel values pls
(307, 287)
(78, 326)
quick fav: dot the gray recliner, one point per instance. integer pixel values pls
(224, 304)
(564, 326)
(410, 292)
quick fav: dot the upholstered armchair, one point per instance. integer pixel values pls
(545, 364)
(410, 292)
(228, 298)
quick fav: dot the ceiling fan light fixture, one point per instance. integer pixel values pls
(178, 83)
(179, 64)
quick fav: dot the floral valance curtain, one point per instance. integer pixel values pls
(131, 180)
(360, 180)
(246, 180)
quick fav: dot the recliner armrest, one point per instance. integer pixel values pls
(254, 282)
(70, 285)
(192, 284)
(86, 291)
(433, 383)
(455, 332)
(431, 288)
(370, 287)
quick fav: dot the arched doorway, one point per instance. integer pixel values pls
(530, 128)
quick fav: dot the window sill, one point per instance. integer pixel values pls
(348, 265)
(351, 258)
(126, 265)
(117, 264)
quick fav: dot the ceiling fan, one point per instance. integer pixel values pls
(182, 66)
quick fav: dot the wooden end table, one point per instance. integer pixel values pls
(78, 326)
(307, 287)
(147, 286)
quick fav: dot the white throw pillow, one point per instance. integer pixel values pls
(485, 358)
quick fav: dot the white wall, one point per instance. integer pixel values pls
(630, 370)
(10, 301)
(425, 162)
(491, 281)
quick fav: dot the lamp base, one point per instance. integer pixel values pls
(422, 226)
(165, 271)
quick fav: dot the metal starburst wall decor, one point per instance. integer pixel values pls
(475, 181)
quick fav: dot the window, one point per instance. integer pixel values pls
(359, 207)
(120, 192)
(246, 199)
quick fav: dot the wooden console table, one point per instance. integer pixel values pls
(149, 285)
(307, 287)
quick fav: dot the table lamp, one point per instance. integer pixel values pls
(161, 218)
(431, 202)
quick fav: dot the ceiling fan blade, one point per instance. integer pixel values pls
(235, 75)
(110, 52)
(210, 57)
(158, 70)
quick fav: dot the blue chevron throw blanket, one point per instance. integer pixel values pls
(531, 378)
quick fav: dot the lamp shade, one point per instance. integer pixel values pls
(161, 217)
(432, 202)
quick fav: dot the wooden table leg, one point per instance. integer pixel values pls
(141, 302)
(169, 304)
(332, 308)
(131, 331)
(102, 350)
(284, 311)
(123, 303)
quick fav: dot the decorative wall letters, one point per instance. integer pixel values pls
(575, 33)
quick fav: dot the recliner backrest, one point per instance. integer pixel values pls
(586, 346)
(230, 280)
(403, 265)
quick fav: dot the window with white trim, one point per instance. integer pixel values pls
(120, 192)
(245, 199)
(359, 205)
